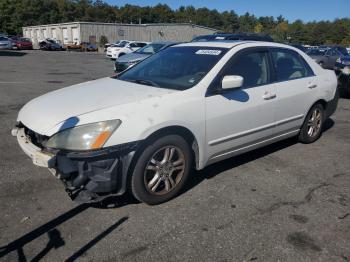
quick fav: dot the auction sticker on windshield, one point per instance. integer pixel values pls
(208, 52)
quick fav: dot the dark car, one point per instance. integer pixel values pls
(88, 47)
(51, 45)
(332, 55)
(128, 60)
(342, 70)
(324, 48)
(239, 36)
(300, 47)
(316, 54)
(21, 43)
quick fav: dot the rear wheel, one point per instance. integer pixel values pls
(161, 170)
(312, 127)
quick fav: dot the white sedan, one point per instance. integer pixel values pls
(185, 107)
(123, 47)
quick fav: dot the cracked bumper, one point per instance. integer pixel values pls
(39, 158)
(87, 175)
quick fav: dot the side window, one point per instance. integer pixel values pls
(132, 45)
(289, 65)
(253, 67)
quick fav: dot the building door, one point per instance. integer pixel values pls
(65, 35)
(54, 33)
(45, 33)
(75, 35)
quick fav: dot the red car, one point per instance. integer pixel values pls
(20, 43)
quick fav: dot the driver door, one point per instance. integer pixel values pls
(238, 119)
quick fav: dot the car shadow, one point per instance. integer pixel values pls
(55, 239)
(12, 53)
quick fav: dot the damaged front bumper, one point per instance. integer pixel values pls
(88, 176)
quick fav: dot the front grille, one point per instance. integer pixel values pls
(35, 138)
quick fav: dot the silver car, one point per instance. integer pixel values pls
(128, 60)
(5, 43)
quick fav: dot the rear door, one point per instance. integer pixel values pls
(295, 86)
(236, 119)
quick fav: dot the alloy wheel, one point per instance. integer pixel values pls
(164, 170)
(314, 123)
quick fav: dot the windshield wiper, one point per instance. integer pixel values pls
(144, 82)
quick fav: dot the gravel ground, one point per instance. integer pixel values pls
(285, 202)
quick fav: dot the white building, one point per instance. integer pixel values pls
(92, 32)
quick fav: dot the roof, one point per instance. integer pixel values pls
(233, 43)
(123, 24)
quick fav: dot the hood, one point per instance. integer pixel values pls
(44, 112)
(132, 57)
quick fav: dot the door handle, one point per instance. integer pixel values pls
(268, 96)
(311, 86)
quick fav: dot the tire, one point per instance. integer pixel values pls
(155, 180)
(311, 129)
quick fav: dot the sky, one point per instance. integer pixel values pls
(306, 10)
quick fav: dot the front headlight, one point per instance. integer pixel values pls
(338, 60)
(84, 137)
(346, 70)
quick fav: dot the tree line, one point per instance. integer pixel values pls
(17, 13)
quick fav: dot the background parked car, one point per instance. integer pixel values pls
(5, 43)
(112, 44)
(124, 62)
(240, 36)
(21, 43)
(332, 55)
(83, 46)
(316, 54)
(300, 47)
(324, 48)
(51, 45)
(88, 47)
(124, 47)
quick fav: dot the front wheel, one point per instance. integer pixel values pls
(312, 127)
(161, 170)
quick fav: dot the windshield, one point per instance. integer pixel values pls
(25, 39)
(203, 38)
(176, 68)
(315, 52)
(121, 44)
(150, 49)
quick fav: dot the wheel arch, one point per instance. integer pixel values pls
(163, 131)
(176, 130)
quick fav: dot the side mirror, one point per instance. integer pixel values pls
(231, 82)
